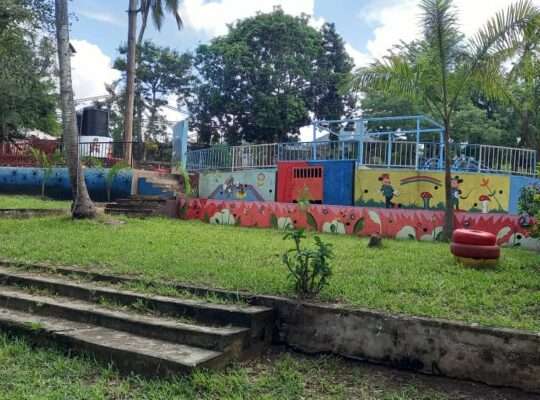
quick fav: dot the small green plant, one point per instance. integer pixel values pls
(47, 163)
(308, 268)
(188, 190)
(113, 173)
(304, 199)
(92, 162)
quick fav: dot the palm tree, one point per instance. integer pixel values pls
(82, 206)
(447, 66)
(155, 8)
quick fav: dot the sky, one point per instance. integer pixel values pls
(369, 28)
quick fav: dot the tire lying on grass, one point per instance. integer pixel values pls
(474, 248)
(474, 251)
(474, 237)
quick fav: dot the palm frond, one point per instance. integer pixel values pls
(498, 40)
(439, 20)
(488, 79)
(392, 75)
(505, 31)
(155, 8)
(172, 6)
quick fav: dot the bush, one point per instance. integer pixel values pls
(529, 200)
(529, 205)
(308, 268)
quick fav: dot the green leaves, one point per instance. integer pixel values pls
(309, 269)
(358, 226)
(260, 82)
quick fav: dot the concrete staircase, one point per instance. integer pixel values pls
(142, 333)
(137, 206)
(150, 183)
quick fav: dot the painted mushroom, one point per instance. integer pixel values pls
(484, 200)
(426, 196)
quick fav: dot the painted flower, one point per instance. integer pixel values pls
(223, 217)
(437, 231)
(334, 227)
(285, 223)
(407, 232)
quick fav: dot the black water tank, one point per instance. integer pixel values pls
(79, 121)
(95, 122)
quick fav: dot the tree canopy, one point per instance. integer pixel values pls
(26, 67)
(161, 72)
(267, 78)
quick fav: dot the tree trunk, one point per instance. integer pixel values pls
(130, 82)
(449, 210)
(82, 206)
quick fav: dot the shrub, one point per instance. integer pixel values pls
(529, 199)
(529, 204)
(308, 268)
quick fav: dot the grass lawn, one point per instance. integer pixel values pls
(36, 373)
(31, 202)
(415, 278)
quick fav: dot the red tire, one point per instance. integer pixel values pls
(474, 237)
(474, 251)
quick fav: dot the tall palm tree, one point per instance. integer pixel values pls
(447, 66)
(156, 9)
(82, 206)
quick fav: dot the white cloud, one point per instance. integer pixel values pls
(213, 16)
(102, 17)
(398, 20)
(91, 69)
(359, 58)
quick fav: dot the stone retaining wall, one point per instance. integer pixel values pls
(500, 357)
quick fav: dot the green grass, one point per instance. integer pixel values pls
(31, 202)
(36, 373)
(415, 278)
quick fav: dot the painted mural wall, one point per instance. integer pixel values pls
(17, 180)
(425, 225)
(394, 188)
(247, 185)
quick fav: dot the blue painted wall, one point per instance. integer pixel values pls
(28, 181)
(516, 184)
(338, 181)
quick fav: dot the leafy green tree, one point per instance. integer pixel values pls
(260, 82)
(448, 66)
(161, 71)
(524, 93)
(334, 66)
(26, 68)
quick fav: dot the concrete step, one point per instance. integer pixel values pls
(130, 212)
(142, 202)
(258, 319)
(228, 339)
(129, 352)
(133, 207)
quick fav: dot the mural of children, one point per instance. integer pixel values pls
(456, 191)
(387, 190)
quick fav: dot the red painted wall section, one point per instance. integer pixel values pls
(394, 223)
